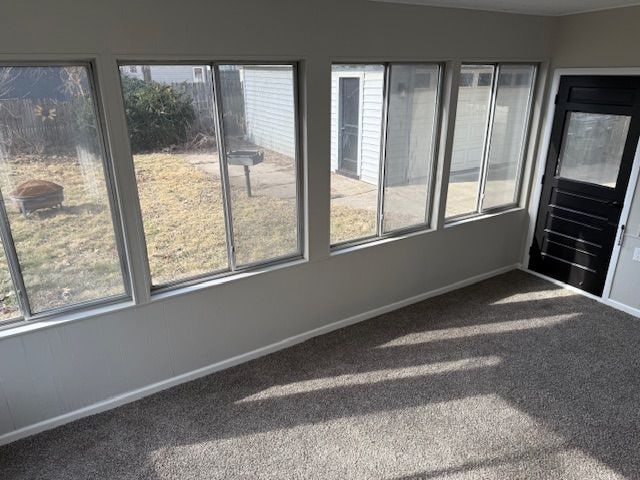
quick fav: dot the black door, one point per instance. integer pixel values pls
(349, 121)
(593, 142)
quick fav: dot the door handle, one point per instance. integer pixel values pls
(614, 203)
(621, 237)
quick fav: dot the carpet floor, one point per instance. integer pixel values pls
(511, 378)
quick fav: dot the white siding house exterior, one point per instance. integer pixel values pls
(370, 131)
(510, 114)
(269, 107)
(170, 73)
(412, 115)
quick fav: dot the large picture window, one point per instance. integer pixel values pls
(59, 234)
(384, 120)
(216, 166)
(492, 117)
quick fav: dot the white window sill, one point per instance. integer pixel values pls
(375, 241)
(481, 216)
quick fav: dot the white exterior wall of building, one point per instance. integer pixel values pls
(370, 131)
(410, 127)
(469, 138)
(269, 108)
(164, 73)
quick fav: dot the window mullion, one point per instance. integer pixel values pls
(383, 149)
(109, 175)
(435, 146)
(224, 171)
(527, 137)
(13, 263)
(487, 140)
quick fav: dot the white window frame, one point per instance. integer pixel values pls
(160, 290)
(380, 234)
(27, 314)
(486, 148)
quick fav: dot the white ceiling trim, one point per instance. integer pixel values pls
(553, 8)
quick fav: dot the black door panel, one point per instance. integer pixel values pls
(578, 202)
(593, 141)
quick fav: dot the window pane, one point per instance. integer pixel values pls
(258, 107)
(356, 128)
(508, 134)
(8, 303)
(474, 100)
(171, 120)
(592, 147)
(409, 145)
(54, 188)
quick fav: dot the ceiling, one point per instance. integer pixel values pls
(532, 7)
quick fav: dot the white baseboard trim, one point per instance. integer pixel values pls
(137, 394)
(606, 301)
(621, 306)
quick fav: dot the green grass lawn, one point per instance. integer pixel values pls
(68, 255)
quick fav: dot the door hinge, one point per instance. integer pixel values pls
(543, 176)
(555, 100)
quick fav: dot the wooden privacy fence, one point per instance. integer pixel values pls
(40, 125)
(36, 126)
(202, 100)
(201, 94)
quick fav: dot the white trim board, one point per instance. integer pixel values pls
(137, 394)
(605, 301)
(534, 199)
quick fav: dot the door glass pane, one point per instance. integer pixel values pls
(508, 134)
(258, 107)
(356, 129)
(171, 120)
(411, 125)
(474, 100)
(54, 187)
(592, 147)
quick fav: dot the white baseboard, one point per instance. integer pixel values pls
(606, 301)
(142, 392)
(621, 306)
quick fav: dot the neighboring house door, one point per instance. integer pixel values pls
(593, 142)
(349, 94)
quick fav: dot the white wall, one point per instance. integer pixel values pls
(69, 366)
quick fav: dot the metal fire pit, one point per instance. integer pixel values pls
(246, 158)
(35, 194)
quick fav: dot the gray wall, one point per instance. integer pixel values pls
(66, 367)
(608, 39)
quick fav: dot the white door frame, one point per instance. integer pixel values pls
(536, 191)
(361, 76)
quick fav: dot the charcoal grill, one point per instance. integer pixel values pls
(246, 158)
